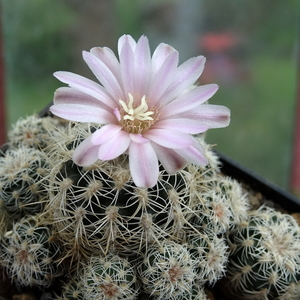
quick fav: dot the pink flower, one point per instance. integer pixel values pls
(148, 105)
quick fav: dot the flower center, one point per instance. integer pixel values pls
(135, 119)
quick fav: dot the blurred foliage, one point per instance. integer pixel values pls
(35, 38)
(268, 23)
(262, 115)
(38, 41)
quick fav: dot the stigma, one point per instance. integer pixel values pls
(140, 113)
(133, 118)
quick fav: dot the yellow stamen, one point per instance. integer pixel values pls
(139, 113)
(136, 119)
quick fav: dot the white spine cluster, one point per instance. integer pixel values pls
(109, 278)
(29, 252)
(265, 257)
(167, 271)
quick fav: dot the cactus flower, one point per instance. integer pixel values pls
(148, 105)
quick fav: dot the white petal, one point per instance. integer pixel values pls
(162, 78)
(68, 95)
(105, 133)
(143, 164)
(103, 74)
(169, 138)
(86, 86)
(115, 146)
(189, 100)
(186, 125)
(127, 68)
(86, 153)
(82, 113)
(194, 154)
(160, 54)
(142, 66)
(185, 76)
(138, 138)
(108, 57)
(212, 116)
(171, 160)
(126, 39)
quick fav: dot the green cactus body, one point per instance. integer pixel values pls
(167, 271)
(99, 209)
(72, 289)
(22, 179)
(220, 205)
(264, 262)
(105, 210)
(32, 132)
(210, 255)
(196, 292)
(30, 252)
(109, 278)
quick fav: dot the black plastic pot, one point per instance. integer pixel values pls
(259, 184)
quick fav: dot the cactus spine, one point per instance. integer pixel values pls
(264, 261)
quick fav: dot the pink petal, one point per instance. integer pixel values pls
(86, 86)
(86, 153)
(162, 78)
(189, 100)
(143, 164)
(212, 116)
(186, 125)
(68, 95)
(108, 57)
(138, 138)
(171, 161)
(185, 76)
(169, 138)
(142, 66)
(194, 154)
(126, 39)
(159, 56)
(82, 113)
(103, 74)
(115, 146)
(105, 133)
(127, 68)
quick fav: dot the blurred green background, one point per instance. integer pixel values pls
(251, 49)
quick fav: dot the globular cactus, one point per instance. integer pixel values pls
(22, 178)
(72, 289)
(210, 255)
(264, 261)
(30, 253)
(32, 132)
(196, 292)
(167, 271)
(219, 205)
(99, 208)
(109, 278)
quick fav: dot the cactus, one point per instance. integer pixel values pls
(264, 261)
(71, 290)
(32, 132)
(29, 252)
(220, 204)
(22, 189)
(167, 271)
(195, 292)
(109, 277)
(157, 230)
(99, 208)
(210, 254)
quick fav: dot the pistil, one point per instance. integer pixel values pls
(135, 119)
